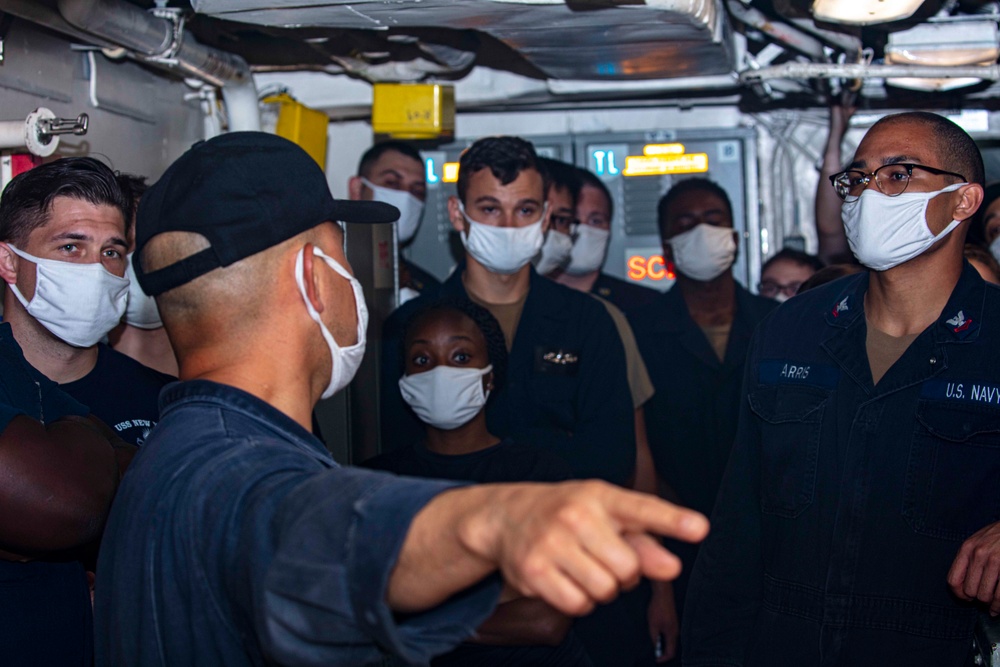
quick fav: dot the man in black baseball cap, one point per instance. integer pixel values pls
(235, 538)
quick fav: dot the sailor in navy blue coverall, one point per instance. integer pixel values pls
(845, 532)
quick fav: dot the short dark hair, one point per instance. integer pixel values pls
(696, 184)
(561, 175)
(796, 256)
(952, 143)
(591, 179)
(496, 343)
(505, 157)
(378, 150)
(27, 200)
(134, 187)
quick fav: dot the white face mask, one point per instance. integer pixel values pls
(589, 250)
(410, 208)
(345, 360)
(445, 397)
(555, 252)
(141, 311)
(995, 248)
(77, 303)
(885, 231)
(704, 252)
(502, 249)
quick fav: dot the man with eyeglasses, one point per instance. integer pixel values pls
(591, 236)
(607, 635)
(856, 523)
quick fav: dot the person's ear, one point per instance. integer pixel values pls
(310, 279)
(355, 188)
(458, 222)
(969, 202)
(8, 264)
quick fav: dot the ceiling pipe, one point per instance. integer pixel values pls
(782, 32)
(163, 41)
(863, 71)
(574, 86)
(847, 43)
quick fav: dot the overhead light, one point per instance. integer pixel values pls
(943, 44)
(947, 44)
(863, 12)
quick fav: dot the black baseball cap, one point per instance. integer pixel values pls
(245, 192)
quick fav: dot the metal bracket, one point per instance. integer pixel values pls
(48, 127)
(176, 18)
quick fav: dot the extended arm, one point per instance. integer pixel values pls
(829, 227)
(58, 484)
(573, 545)
(367, 559)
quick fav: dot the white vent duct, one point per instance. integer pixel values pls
(163, 41)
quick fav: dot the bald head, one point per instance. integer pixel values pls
(955, 149)
(223, 301)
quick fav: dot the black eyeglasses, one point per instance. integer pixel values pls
(891, 179)
(772, 288)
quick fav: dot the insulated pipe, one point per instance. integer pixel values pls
(862, 71)
(29, 133)
(782, 32)
(152, 38)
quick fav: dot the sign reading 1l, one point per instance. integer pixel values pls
(607, 161)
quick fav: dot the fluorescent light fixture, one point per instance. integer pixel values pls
(947, 44)
(864, 12)
(943, 44)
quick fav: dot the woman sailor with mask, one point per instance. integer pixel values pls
(455, 356)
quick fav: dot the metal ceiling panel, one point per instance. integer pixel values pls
(577, 39)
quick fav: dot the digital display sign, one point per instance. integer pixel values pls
(649, 267)
(663, 149)
(658, 165)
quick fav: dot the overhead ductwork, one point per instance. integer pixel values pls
(162, 40)
(597, 40)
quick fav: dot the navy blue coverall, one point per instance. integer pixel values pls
(845, 503)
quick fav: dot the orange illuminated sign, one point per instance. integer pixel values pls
(663, 149)
(653, 268)
(658, 165)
